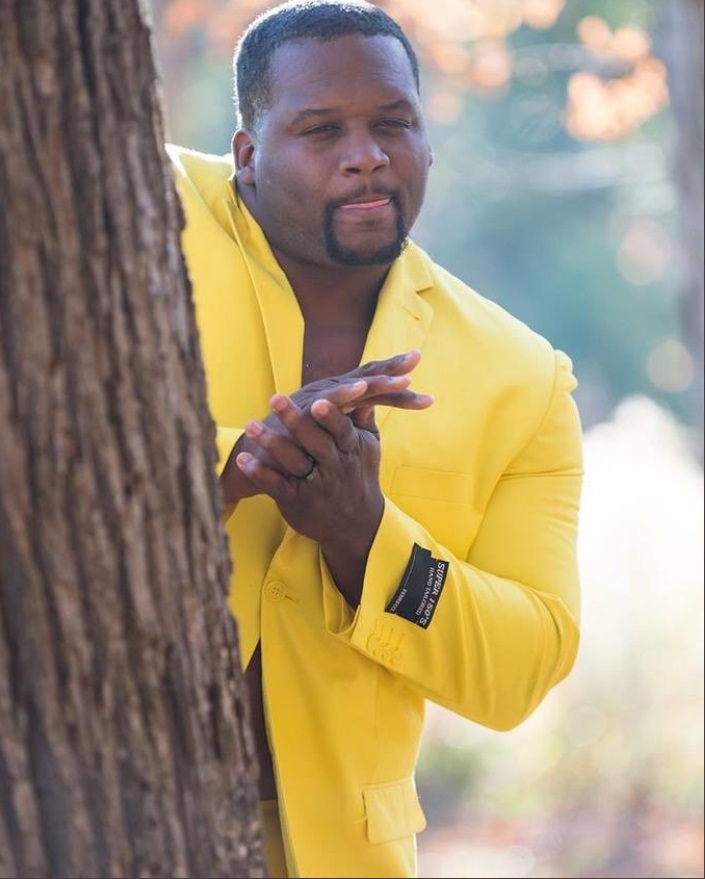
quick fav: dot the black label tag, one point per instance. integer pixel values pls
(417, 596)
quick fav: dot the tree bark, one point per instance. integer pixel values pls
(124, 741)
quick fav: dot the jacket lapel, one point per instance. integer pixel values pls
(403, 317)
(281, 315)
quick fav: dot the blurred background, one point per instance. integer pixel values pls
(568, 187)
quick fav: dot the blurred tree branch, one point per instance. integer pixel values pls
(682, 23)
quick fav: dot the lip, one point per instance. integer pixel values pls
(370, 205)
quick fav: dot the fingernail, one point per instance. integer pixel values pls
(278, 403)
(321, 406)
(254, 428)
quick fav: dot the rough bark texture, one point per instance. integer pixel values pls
(682, 25)
(124, 745)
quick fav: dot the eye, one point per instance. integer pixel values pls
(403, 124)
(320, 130)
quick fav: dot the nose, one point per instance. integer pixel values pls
(362, 154)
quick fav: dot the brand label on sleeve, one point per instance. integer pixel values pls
(417, 596)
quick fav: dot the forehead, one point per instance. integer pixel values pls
(314, 72)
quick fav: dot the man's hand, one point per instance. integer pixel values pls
(387, 385)
(357, 392)
(339, 502)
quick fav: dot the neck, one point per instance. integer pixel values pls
(335, 295)
(338, 306)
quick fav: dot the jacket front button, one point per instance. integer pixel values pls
(275, 591)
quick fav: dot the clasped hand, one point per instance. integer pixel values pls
(317, 453)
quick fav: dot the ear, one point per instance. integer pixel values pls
(243, 147)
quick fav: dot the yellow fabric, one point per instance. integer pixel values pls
(487, 479)
(273, 841)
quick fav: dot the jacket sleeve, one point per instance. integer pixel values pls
(225, 439)
(504, 627)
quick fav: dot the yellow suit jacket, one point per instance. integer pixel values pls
(483, 488)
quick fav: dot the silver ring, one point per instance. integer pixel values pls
(308, 477)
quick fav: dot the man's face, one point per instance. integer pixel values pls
(337, 171)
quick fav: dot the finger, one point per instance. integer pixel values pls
(278, 450)
(342, 393)
(249, 444)
(303, 428)
(400, 364)
(346, 396)
(339, 426)
(265, 479)
(406, 399)
(341, 390)
(377, 385)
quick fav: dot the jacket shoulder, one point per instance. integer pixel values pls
(490, 327)
(200, 177)
(195, 165)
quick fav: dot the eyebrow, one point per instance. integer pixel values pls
(305, 115)
(319, 113)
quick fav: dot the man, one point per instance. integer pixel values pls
(390, 546)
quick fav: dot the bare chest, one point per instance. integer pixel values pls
(331, 350)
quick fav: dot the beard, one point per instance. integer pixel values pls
(348, 256)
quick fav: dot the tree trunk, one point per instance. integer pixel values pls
(124, 742)
(682, 26)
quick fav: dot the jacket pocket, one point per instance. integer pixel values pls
(392, 810)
